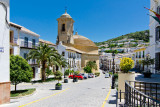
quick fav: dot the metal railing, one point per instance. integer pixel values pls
(27, 44)
(32, 61)
(142, 94)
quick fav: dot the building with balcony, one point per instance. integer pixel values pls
(22, 40)
(155, 35)
(138, 56)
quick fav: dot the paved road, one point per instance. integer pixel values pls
(85, 93)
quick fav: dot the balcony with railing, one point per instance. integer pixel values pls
(32, 62)
(29, 44)
(14, 41)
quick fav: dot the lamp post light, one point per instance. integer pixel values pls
(113, 80)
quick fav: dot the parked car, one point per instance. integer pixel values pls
(84, 76)
(90, 75)
(76, 76)
(107, 75)
(103, 72)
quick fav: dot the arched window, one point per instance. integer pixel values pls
(63, 27)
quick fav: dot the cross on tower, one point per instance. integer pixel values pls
(65, 9)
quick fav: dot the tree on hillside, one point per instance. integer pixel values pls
(44, 56)
(20, 70)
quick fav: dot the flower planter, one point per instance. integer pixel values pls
(65, 80)
(122, 77)
(58, 87)
(147, 75)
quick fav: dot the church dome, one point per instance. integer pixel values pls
(81, 40)
(66, 15)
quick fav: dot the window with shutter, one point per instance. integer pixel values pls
(157, 60)
(33, 43)
(158, 9)
(25, 42)
(157, 33)
(25, 55)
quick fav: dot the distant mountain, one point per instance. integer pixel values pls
(140, 35)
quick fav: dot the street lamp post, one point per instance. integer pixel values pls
(113, 80)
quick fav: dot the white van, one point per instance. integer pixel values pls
(106, 75)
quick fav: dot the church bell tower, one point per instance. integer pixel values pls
(65, 29)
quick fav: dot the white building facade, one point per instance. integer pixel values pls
(4, 52)
(154, 49)
(22, 41)
(72, 56)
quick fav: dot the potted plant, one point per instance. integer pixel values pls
(148, 61)
(58, 76)
(125, 65)
(66, 73)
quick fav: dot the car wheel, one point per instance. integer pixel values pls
(70, 77)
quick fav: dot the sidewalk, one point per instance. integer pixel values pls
(112, 99)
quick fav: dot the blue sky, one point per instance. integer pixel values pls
(97, 20)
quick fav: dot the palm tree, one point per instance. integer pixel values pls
(45, 56)
(92, 64)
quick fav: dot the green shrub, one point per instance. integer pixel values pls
(67, 72)
(58, 84)
(87, 69)
(126, 64)
(97, 74)
(71, 71)
(116, 76)
(76, 72)
(111, 73)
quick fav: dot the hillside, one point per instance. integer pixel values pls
(141, 35)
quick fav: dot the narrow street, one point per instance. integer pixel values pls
(86, 93)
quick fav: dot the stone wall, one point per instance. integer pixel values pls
(4, 92)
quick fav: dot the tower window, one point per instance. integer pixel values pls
(63, 53)
(63, 27)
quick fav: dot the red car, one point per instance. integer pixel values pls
(76, 76)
